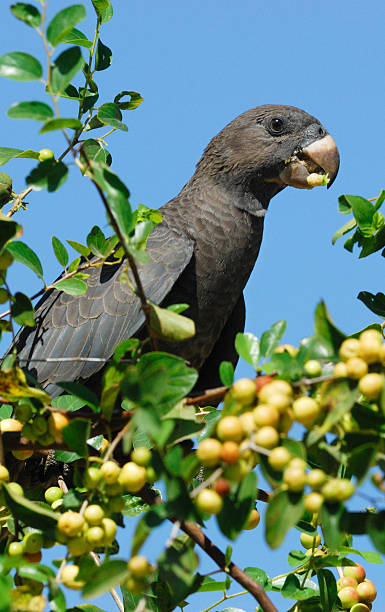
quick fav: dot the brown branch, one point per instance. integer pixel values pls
(211, 395)
(197, 535)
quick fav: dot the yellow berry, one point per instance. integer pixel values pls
(230, 428)
(306, 410)
(371, 385)
(349, 348)
(264, 414)
(267, 437)
(253, 520)
(243, 391)
(340, 370)
(279, 458)
(356, 368)
(209, 452)
(209, 501)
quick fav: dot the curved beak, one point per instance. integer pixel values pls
(314, 165)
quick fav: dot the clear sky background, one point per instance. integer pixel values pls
(197, 66)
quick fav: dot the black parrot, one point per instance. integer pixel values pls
(201, 254)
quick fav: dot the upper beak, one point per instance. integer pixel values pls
(319, 158)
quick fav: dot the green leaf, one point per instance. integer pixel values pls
(226, 373)
(117, 195)
(96, 241)
(325, 328)
(363, 211)
(65, 67)
(31, 513)
(8, 229)
(270, 339)
(66, 456)
(133, 102)
(169, 325)
(5, 188)
(336, 399)
(49, 174)
(7, 153)
(328, 589)
(330, 520)
(60, 124)
(209, 585)
(247, 346)
(109, 114)
(76, 37)
(81, 392)
(63, 22)
(76, 435)
(368, 555)
(39, 111)
(260, 576)
(111, 573)
(94, 151)
(292, 589)
(22, 310)
(103, 56)
(20, 67)
(237, 507)
(179, 308)
(60, 251)
(27, 13)
(80, 248)
(376, 530)
(177, 566)
(101, 6)
(375, 303)
(72, 286)
(68, 402)
(344, 230)
(361, 459)
(284, 510)
(25, 255)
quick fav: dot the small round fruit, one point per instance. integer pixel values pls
(222, 487)
(40, 425)
(371, 385)
(113, 489)
(286, 421)
(360, 607)
(367, 591)
(356, 571)
(135, 586)
(70, 523)
(209, 501)
(78, 546)
(33, 557)
(279, 458)
(313, 502)
(92, 478)
(280, 401)
(15, 549)
(4, 295)
(22, 455)
(94, 514)
(115, 504)
(316, 479)
(151, 475)
(15, 488)
(230, 452)
(313, 368)
(141, 456)
(6, 259)
(267, 437)
(287, 348)
(209, 452)
(56, 423)
(52, 494)
(109, 527)
(139, 566)
(348, 597)
(94, 535)
(264, 414)
(306, 410)
(68, 577)
(237, 471)
(57, 504)
(10, 425)
(132, 477)
(349, 348)
(356, 368)
(297, 462)
(23, 412)
(4, 473)
(370, 345)
(309, 541)
(345, 489)
(340, 370)
(261, 381)
(110, 471)
(33, 542)
(45, 154)
(230, 428)
(253, 520)
(346, 581)
(243, 391)
(247, 422)
(295, 479)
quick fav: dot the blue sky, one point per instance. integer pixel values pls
(197, 66)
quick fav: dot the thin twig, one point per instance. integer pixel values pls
(116, 441)
(113, 592)
(209, 395)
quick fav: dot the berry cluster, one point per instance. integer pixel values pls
(355, 591)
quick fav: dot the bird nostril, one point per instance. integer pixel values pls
(321, 131)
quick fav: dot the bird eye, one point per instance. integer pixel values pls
(276, 125)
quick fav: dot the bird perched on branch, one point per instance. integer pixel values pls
(201, 254)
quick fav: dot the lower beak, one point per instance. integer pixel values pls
(315, 164)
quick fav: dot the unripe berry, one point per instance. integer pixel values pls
(92, 478)
(370, 345)
(230, 428)
(356, 368)
(340, 370)
(110, 471)
(132, 477)
(253, 520)
(45, 154)
(15, 489)
(94, 535)
(348, 597)
(279, 458)
(78, 546)
(139, 566)
(237, 471)
(280, 401)
(15, 549)
(371, 385)
(294, 478)
(286, 421)
(349, 348)
(135, 586)
(243, 391)
(297, 462)
(70, 523)
(4, 474)
(22, 455)
(230, 452)
(52, 494)
(264, 415)
(141, 456)
(355, 571)
(313, 367)
(4, 295)
(361, 607)
(306, 410)
(346, 581)
(6, 259)
(247, 422)
(267, 437)
(345, 489)
(309, 541)
(313, 502)
(33, 542)
(209, 452)
(315, 479)
(209, 501)
(280, 387)
(23, 412)
(109, 527)
(56, 423)
(68, 577)
(287, 348)
(94, 514)
(10, 425)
